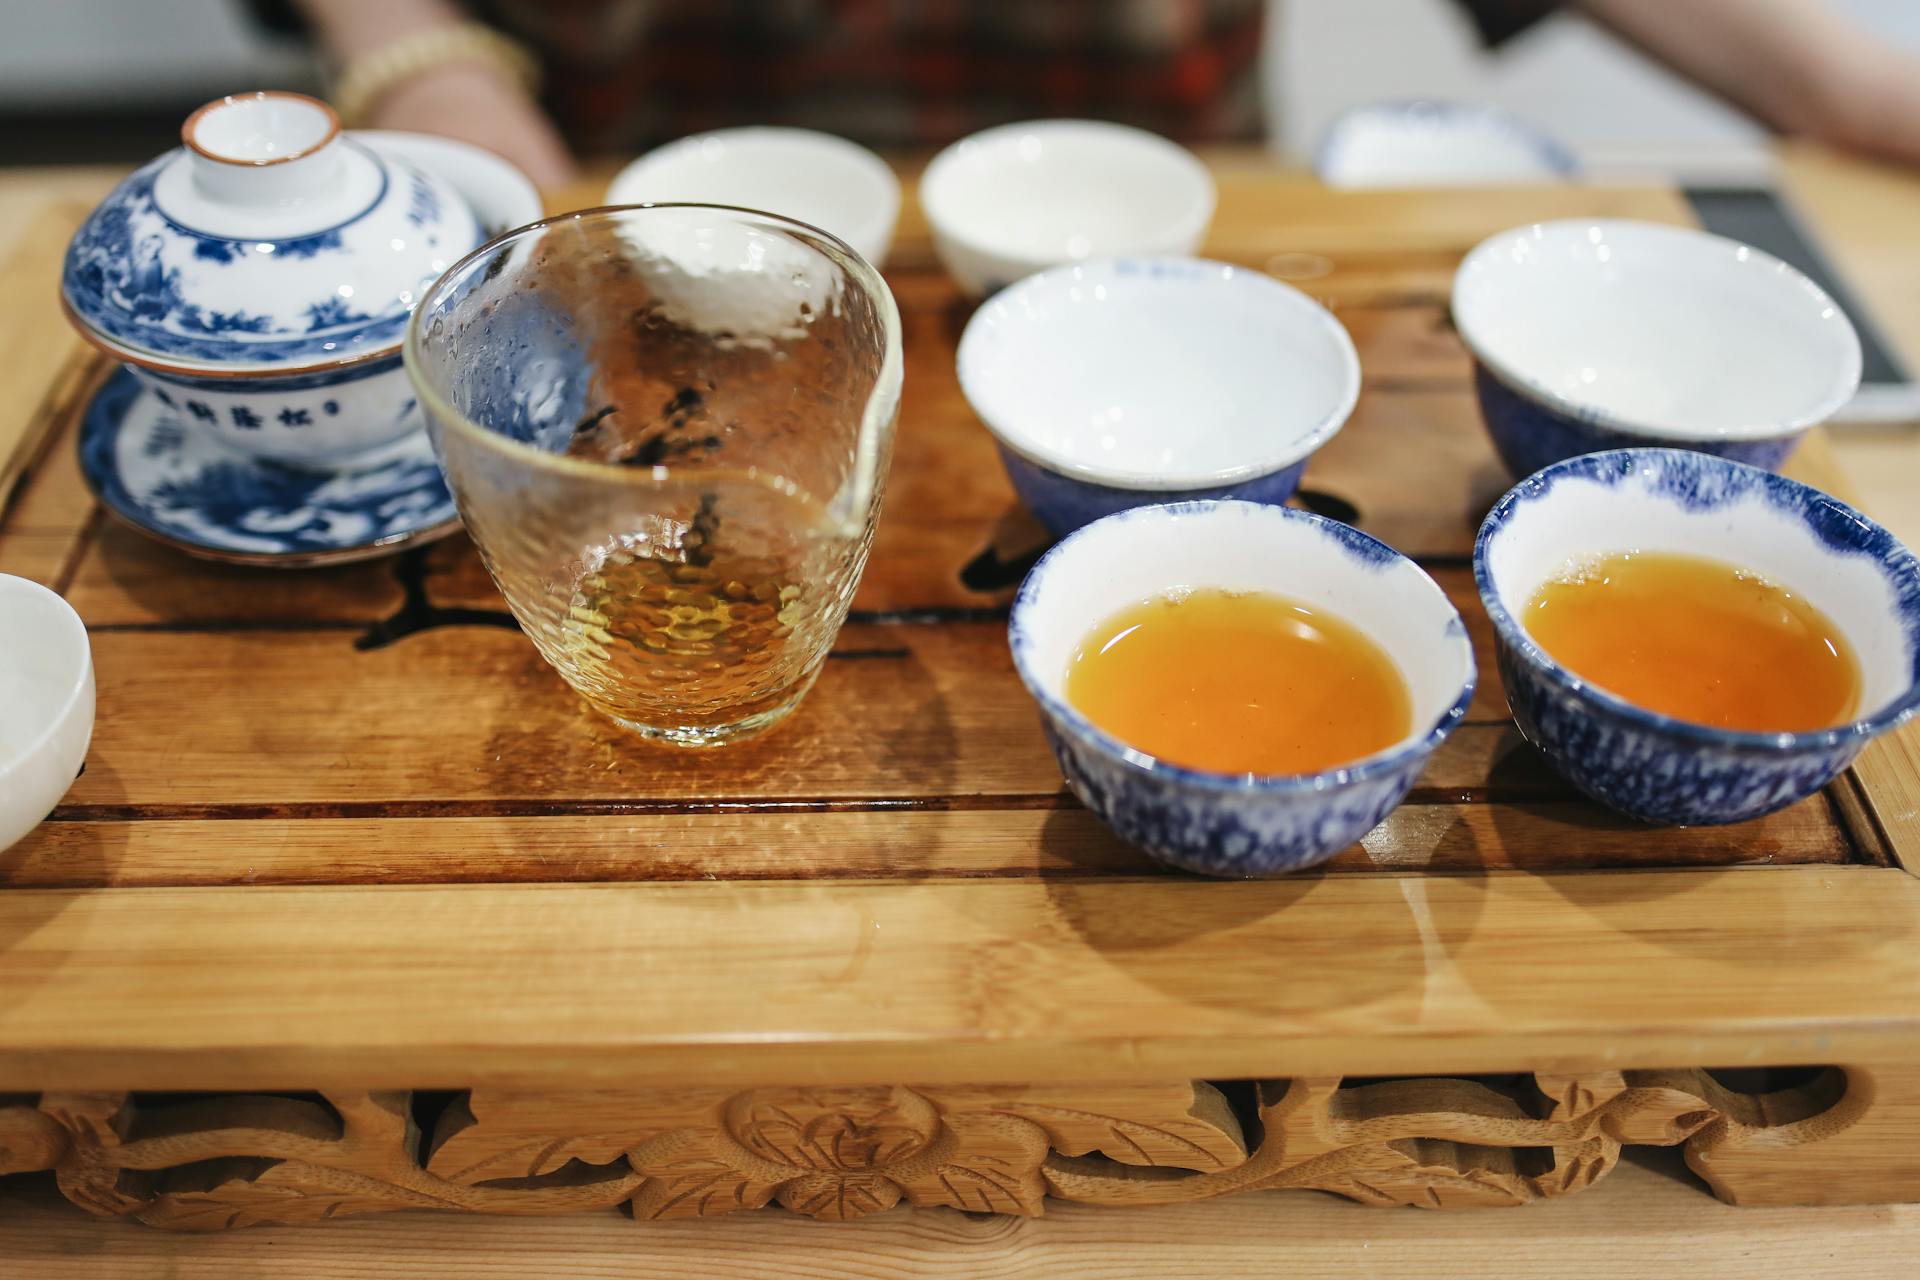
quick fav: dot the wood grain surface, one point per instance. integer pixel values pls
(1647, 1220)
(880, 840)
(965, 981)
(343, 827)
(42, 351)
(398, 692)
(457, 714)
(1889, 772)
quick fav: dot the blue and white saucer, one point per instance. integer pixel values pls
(155, 472)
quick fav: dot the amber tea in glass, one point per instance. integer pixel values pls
(667, 429)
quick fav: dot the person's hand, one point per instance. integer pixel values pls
(476, 103)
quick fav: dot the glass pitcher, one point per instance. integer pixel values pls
(667, 428)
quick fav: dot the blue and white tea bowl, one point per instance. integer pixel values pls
(262, 274)
(1238, 824)
(1424, 143)
(1590, 335)
(1652, 766)
(1132, 381)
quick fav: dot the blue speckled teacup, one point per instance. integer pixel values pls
(1651, 766)
(1238, 824)
(1590, 335)
(1127, 382)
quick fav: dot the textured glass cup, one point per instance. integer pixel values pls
(667, 429)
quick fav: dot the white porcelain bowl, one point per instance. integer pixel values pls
(46, 703)
(1011, 201)
(1238, 824)
(815, 178)
(1126, 381)
(1436, 144)
(1592, 335)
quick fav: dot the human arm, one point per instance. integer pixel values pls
(1797, 65)
(472, 99)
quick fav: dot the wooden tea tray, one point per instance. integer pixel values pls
(356, 908)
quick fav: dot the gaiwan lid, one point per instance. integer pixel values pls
(270, 242)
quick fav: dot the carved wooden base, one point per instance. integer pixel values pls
(199, 1163)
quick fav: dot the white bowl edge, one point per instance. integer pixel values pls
(1710, 364)
(672, 174)
(1162, 164)
(38, 760)
(1009, 411)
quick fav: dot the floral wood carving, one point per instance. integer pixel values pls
(30, 1139)
(200, 1163)
(841, 1153)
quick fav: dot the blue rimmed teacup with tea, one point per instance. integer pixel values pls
(1771, 531)
(1595, 334)
(1238, 824)
(1126, 382)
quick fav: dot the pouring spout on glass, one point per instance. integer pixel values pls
(852, 508)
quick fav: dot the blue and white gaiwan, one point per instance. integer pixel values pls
(1238, 824)
(1651, 766)
(262, 276)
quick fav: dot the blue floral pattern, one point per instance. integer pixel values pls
(139, 277)
(1245, 834)
(423, 204)
(157, 472)
(231, 251)
(333, 313)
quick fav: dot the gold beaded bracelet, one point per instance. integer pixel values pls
(362, 83)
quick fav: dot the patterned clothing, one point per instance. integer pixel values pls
(624, 74)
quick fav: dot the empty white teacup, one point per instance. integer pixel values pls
(811, 177)
(46, 703)
(1008, 202)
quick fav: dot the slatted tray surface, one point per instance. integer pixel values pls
(384, 725)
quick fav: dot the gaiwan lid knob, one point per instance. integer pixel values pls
(270, 241)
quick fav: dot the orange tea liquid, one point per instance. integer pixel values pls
(1698, 639)
(1239, 682)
